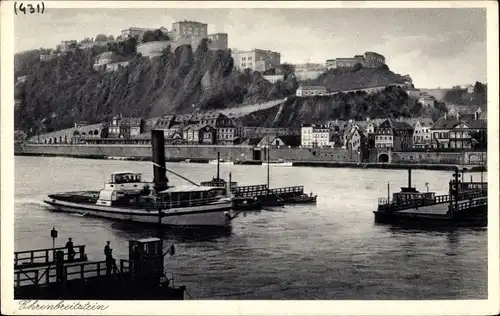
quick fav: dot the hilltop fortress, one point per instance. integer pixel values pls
(368, 60)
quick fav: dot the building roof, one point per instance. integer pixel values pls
(412, 121)
(290, 140)
(130, 121)
(401, 126)
(165, 121)
(351, 132)
(182, 117)
(477, 124)
(312, 88)
(425, 122)
(195, 127)
(253, 140)
(360, 124)
(446, 123)
(398, 126)
(211, 115)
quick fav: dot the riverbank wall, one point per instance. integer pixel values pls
(310, 157)
(193, 152)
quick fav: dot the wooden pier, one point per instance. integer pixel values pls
(260, 194)
(465, 205)
(140, 277)
(43, 257)
(277, 196)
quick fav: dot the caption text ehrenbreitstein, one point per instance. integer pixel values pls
(60, 305)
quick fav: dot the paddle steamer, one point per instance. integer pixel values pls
(127, 197)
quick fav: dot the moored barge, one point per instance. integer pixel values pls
(466, 204)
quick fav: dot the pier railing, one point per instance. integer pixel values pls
(74, 271)
(40, 257)
(287, 190)
(467, 205)
(259, 190)
(250, 190)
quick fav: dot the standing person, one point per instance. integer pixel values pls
(107, 249)
(108, 252)
(110, 261)
(71, 250)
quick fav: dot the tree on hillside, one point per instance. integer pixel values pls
(479, 139)
(101, 38)
(123, 48)
(455, 96)
(384, 67)
(111, 38)
(480, 94)
(269, 72)
(286, 69)
(156, 35)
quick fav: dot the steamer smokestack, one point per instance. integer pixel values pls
(159, 170)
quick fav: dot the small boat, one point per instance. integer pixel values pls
(117, 158)
(279, 163)
(220, 161)
(246, 204)
(302, 199)
(127, 197)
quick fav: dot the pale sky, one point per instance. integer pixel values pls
(437, 47)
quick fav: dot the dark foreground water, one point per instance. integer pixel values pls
(329, 251)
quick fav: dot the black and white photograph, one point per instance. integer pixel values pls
(240, 152)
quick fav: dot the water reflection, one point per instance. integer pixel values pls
(129, 230)
(412, 229)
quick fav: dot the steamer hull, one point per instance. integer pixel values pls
(214, 214)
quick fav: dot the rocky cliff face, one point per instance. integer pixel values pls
(357, 78)
(68, 89)
(391, 102)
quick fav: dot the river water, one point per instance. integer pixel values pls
(332, 250)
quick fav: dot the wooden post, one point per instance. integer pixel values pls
(218, 160)
(388, 193)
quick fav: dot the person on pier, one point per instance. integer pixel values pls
(71, 250)
(108, 252)
(107, 249)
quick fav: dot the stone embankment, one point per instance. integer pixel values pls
(311, 157)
